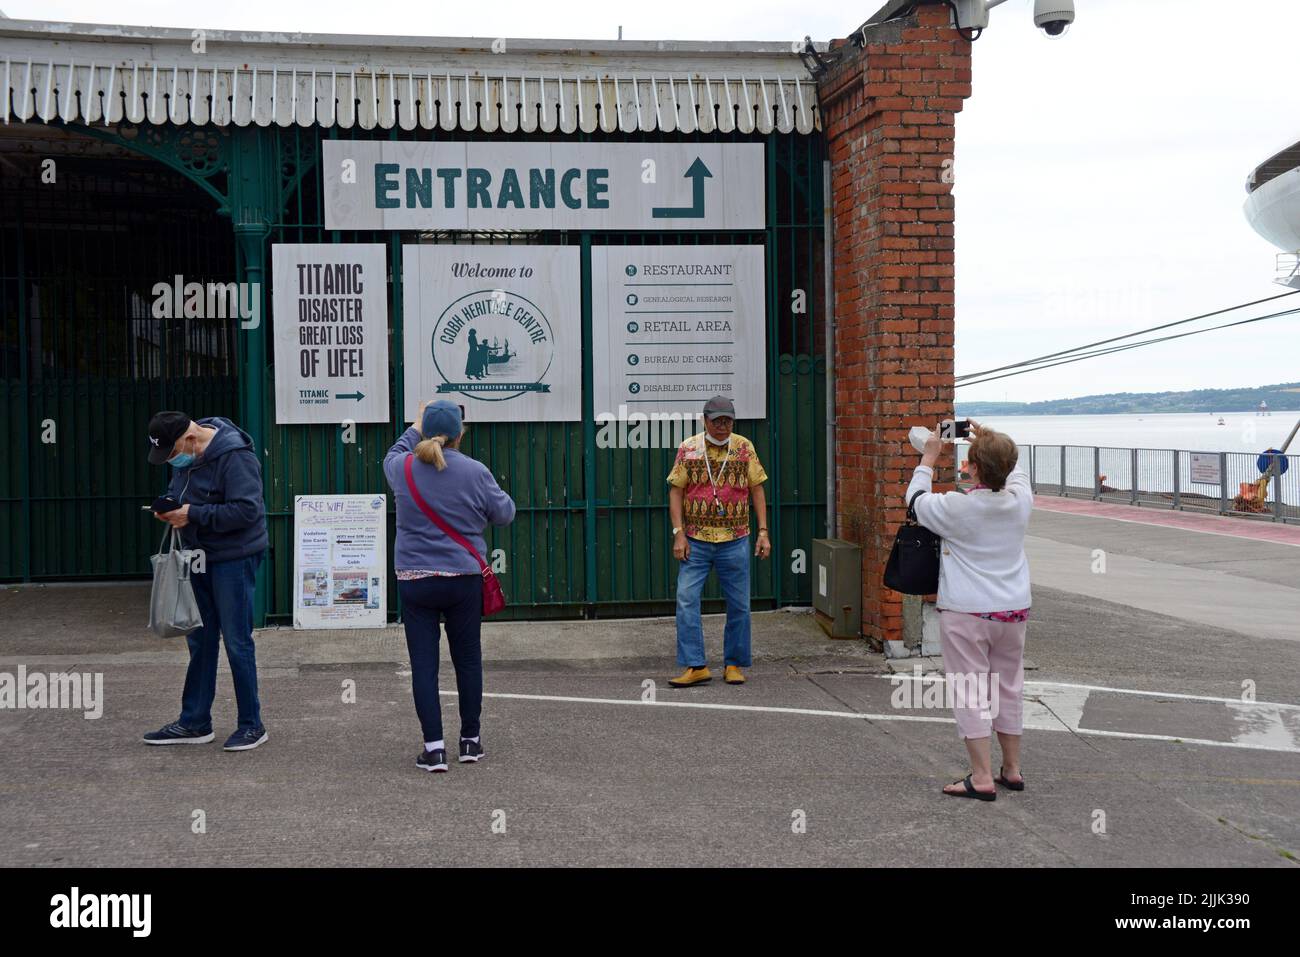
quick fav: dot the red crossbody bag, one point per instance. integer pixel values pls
(494, 599)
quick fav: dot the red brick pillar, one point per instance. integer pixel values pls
(888, 109)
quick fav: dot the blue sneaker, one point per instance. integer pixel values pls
(435, 760)
(246, 740)
(176, 733)
(471, 751)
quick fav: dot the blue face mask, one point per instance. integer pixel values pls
(182, 460)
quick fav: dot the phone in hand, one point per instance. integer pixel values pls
(164, 504)
(952, 429)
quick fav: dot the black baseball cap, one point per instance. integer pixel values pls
(164, 429)
(719, 406)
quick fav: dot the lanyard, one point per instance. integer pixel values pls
(721, 470)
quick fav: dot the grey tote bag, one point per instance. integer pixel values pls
(173, 610)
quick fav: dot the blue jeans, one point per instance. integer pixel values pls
(459, 600)
(225, 597)
(731, 559)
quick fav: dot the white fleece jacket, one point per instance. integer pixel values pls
(982, 564)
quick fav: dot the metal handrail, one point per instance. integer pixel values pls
(1288, 270)
(1225, 483)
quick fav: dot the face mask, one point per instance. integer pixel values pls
(182, 461)
(717, 441)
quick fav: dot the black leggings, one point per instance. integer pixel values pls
(459, 600)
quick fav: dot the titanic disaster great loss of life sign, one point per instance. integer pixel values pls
(330, 308)
(496, 329)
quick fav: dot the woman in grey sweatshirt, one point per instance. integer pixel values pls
(436, 576)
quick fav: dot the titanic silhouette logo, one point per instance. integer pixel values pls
(492, 345)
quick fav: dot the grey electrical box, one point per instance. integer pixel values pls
(837, 587)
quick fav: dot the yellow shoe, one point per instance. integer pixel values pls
(691, 676)
(733, 675)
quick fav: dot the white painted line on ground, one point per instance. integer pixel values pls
(1134, 691)
(1266, 727)
(713, 707)
(637, 702)
(1046, 708)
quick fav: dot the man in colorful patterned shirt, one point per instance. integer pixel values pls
(712, 479)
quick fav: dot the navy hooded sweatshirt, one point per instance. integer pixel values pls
(223, 489)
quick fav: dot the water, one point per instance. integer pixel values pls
(1243, 436)
(1189, 431)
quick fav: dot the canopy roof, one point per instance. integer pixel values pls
(94, 73)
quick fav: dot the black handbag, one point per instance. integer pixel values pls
(913, 566)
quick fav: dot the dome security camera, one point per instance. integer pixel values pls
(1053, 16)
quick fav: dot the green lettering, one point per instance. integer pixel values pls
(385, 184)
(595, 186)
(510, 191)
(419, 185)
(566, 184)
(541, 186)
(477, 182)
(448, 177)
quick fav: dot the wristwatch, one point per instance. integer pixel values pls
(676, 530)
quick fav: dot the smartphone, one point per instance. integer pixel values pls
(163, 505)
(951, 430)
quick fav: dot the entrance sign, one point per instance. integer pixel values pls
(1205, 468)
(497, 329)
(340, 561)
(330, 305)
(542, 185)
(674, 325)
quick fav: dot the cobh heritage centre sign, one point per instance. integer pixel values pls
(497, 329)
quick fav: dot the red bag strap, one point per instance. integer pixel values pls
(434, 517)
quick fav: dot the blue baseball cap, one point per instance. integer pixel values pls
(441, 418)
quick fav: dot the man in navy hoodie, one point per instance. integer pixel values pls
(215, 499)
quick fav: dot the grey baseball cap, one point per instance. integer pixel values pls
(719, 406)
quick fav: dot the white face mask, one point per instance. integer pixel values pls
(717, 441)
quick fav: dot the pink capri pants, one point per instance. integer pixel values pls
(985, 664)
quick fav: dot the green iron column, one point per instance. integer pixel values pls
(254, 205)
(591, 585)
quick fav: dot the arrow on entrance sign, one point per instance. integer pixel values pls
(351, 395)
(696, 172)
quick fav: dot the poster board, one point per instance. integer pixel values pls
(1205, 468)
(497, 329)
(673, 326)
(340, 566)
(330, 312)
(539, 184)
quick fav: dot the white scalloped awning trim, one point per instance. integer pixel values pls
(199, 95)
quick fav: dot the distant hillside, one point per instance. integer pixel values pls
(1283, 396)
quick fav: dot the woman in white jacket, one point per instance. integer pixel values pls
(983, 601)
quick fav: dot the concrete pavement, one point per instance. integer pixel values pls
(1138, 747)
(1200, 576)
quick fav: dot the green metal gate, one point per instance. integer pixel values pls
(82, 360)
(592, 533)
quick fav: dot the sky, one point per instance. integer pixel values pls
(1099, 175)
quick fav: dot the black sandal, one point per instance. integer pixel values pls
(970, 791)
(1010, 785)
